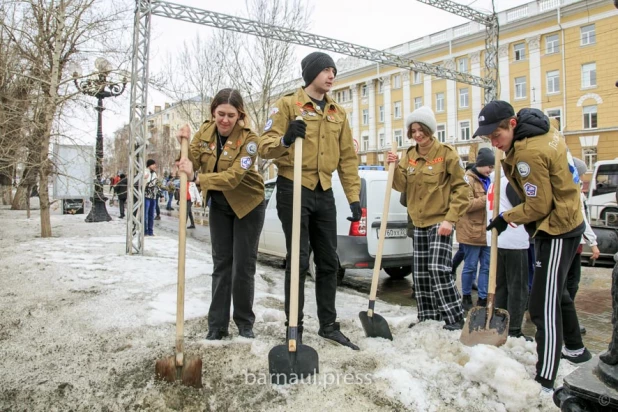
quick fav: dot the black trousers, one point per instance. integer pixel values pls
(234, 254)
(574, 276)
(512, 285)
(318, 231)
(551, 308)
(190, 213)
(121, 203)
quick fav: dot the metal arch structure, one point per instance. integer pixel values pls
(144, 11)
(490, 21)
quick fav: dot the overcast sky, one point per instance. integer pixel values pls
(373, 23)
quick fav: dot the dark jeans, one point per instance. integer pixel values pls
(318, 231)
(121, 205)
(234, 254)
(149, 214)
(512, 285)
(157, 207)
(190, 213)
(169, 201)
(574, 276)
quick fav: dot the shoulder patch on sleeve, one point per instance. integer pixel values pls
(245, 162)
(530, 189)
(268, 125)
(251, 148)
(523, 168)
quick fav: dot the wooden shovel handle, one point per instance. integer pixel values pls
(382, 234)
(493, 259)
(182, 243)
(295, 255)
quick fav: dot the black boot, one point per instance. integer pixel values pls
(332, 334)
(518, 334)
(246, 331)
(466, 302)
(481, 302)
(457, 325)
(217, 334)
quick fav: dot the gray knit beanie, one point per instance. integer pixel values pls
(314, 63)
(422, 115)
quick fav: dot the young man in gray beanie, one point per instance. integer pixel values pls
(328, 146)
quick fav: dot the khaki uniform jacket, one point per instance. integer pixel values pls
(236, 177)
(328, 143)
(538, 169)
(434, 185)
(472, 227)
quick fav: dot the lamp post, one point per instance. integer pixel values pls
(100, 86)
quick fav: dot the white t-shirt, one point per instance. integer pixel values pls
(512, 237)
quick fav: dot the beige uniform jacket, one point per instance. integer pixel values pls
(472, 227)
(236, 177)
(538, 169)
(328, 143)
(434, 185)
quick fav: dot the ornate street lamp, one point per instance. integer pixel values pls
(100, 86)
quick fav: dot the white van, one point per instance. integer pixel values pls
(357, 242)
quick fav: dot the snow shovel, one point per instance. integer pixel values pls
(182, 368)
(287, 363)
(375, 326)
(487, 325)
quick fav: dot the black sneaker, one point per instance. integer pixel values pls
(582, 330)
(585, 356)
(191, 227)
(217, 334)
(246, 332)
(519, 334)
(299, 333)
(481, 302)
(458, 325)
(332, 334)
(157, 218)
(466, 302)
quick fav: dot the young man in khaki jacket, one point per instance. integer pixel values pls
(327, 146)
(541, 171)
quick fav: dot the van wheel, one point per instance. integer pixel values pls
(612, 219)
(340, 271)
(398, 272)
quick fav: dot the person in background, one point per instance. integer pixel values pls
(328, 146)
(432, 176)
(189, 205)
(171, 188)
(512, 269)
(458, 257)
(471, 230)
(575, 271)
(541, 171)
(121, 192)
(223, 153)
(151, 196)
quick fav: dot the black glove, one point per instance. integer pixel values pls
(356, 212)
(296, 128)
(499, 223)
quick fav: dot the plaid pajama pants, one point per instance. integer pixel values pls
(437, 296)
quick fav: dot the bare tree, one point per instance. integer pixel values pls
(48, 35)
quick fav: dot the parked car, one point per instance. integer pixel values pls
(357, 242)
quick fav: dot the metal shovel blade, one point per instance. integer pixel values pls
(475, 330)
(375, 326)
(286, 367)
(189, 374)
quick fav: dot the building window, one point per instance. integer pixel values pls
(381, 114)
(397, 110)
(464, 130)
(589, 75)
(365, 117)
(365, 143)
(520, 51)
(418, 102)
(381, 139)
(380, 86)
(364, 90)
(589, 155)
(462, 65)
(398, 136)
(463, 98)
(555, 114)
(416, 78)
(551, 44)
(553, 82)
(397, 81)
(520, 87)
(439, 102)
(588, 35)
(590, 117)
(441, 133)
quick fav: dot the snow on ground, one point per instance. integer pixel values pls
(82, 324)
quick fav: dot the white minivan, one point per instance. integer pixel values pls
(357, 242)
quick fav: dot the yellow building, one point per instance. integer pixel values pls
(559, 56)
